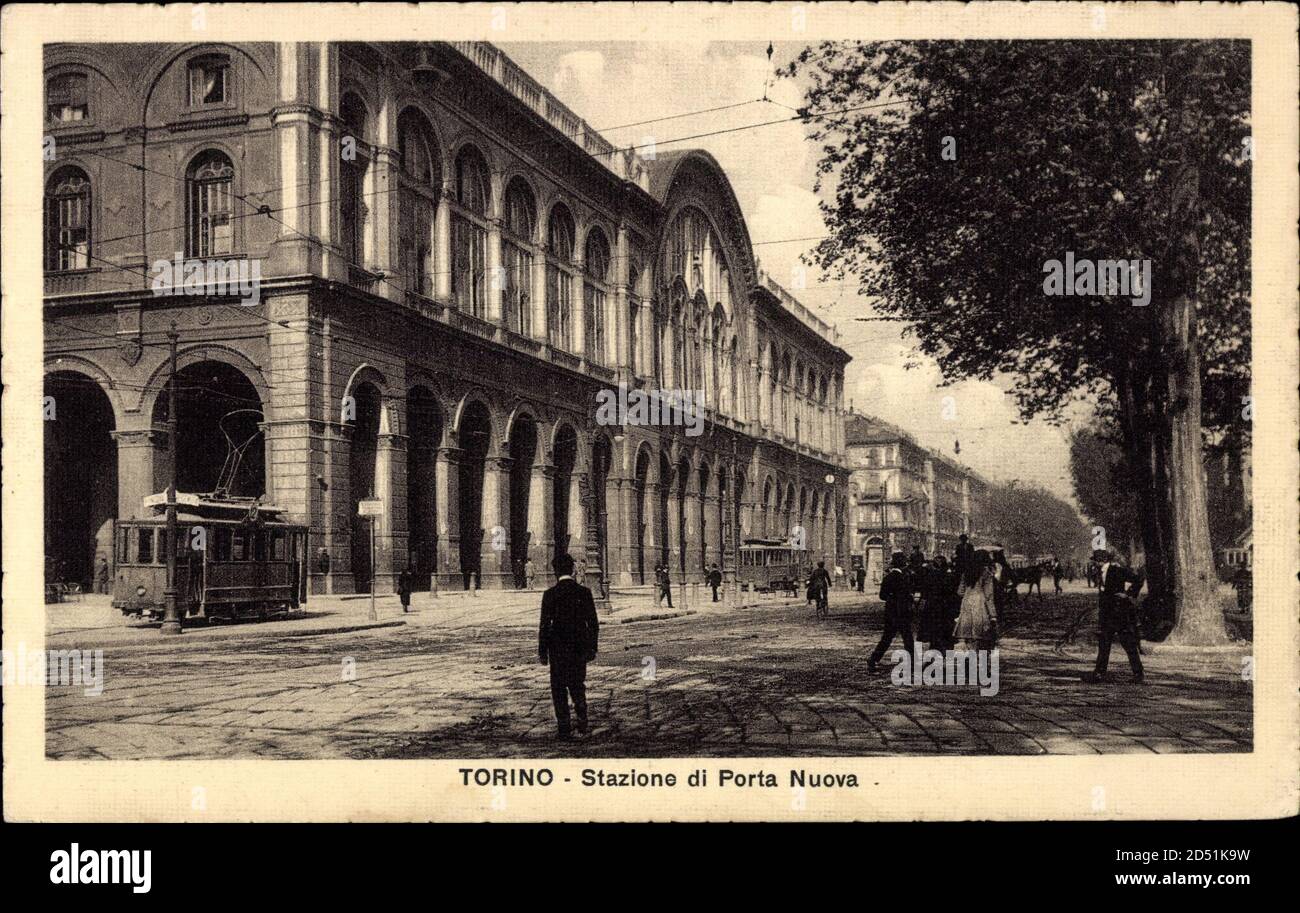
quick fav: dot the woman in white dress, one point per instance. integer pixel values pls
(976, 627)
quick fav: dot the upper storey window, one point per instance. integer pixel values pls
(560, 234)
(67, 221)
(517, 257)
(694, 254)
(67, 99)
(353, 151)
(210, 220)
(469, 233)
(209, 80)
(596, 265)
(419, 180)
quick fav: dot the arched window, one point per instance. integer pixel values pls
(559, 278)
(596, 269)
(210, 220)
(677, 326)
(517, 256)
(354, 155)
(419, 178)
(471, 199)
(67, 220)
(66, 98)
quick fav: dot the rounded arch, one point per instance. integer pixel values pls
(469, 405)
(418, 152)
(154, 72)
(355, 112)
(192, 354)
(522, 413)
(519, 208)
(471, 179)
(561, 231)
(78, 364)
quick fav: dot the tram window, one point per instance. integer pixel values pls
(123, 546)
(222, 540)
(277, 546)
(239, 546)
(144, 545)
(259, 545)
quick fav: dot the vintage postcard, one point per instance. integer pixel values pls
(627, 412)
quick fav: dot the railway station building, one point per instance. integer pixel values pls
(405, 272)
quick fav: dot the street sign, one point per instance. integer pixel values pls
(371, 507)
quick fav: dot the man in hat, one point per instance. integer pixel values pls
(1116, 615)
(896, 591)
(566, 641)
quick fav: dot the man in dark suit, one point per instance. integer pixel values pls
(715, 580)
(1116, 615)
(819, 585)
(567, 641)
(896, 591)
(964, 559)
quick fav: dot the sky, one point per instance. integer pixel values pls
(772, 170)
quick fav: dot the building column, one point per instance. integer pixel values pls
(496, 278)
(391, 536)
(447, 485)
(442, 249)
(494, 550)
(651, 545)
(711, 527)
(138, 451)
(541, 542)
(622, 531)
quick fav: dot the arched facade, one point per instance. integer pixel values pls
(446, 306)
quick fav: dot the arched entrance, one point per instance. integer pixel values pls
(80, 477)
(566, 457)
(424, 430)
(217, 410)
(874, 554)
(364, 423)
(523, 453)
(475, 438)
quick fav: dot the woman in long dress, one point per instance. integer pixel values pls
(977, 623)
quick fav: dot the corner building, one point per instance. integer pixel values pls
(452, 265)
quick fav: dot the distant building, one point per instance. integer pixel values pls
(902, 494)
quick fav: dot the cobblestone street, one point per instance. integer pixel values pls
(768, 680)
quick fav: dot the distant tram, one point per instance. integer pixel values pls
(768, 565)
(235, 558)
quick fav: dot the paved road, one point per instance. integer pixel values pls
(764, 681)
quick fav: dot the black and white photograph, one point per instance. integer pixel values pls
(562, 395)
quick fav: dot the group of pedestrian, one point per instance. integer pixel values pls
(954, 605)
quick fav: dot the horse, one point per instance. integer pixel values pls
(1030, 574)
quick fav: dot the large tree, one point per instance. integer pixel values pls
(960, 170)
(1031, 521)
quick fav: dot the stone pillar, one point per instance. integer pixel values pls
(391, 535)
(541, 541)
(711, 527)
(442, 249)
(494, 551)
(138, 451)
(496, 278)
(621, 500)
(650, 545)
(539, 302)
(447, 480)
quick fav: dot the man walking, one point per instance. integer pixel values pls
(861, 576)
(715, 580)
(896, 591)
(566, 640)
(530, 573)
(665, 586)
(101, 575)
(404, 589)
(819, 585)
(1116, 615)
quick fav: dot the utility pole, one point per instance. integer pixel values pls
(171, 616)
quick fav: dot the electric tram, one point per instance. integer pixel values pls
(235, 558)
(768, 565)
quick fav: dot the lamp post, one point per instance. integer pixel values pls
(171, 624)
